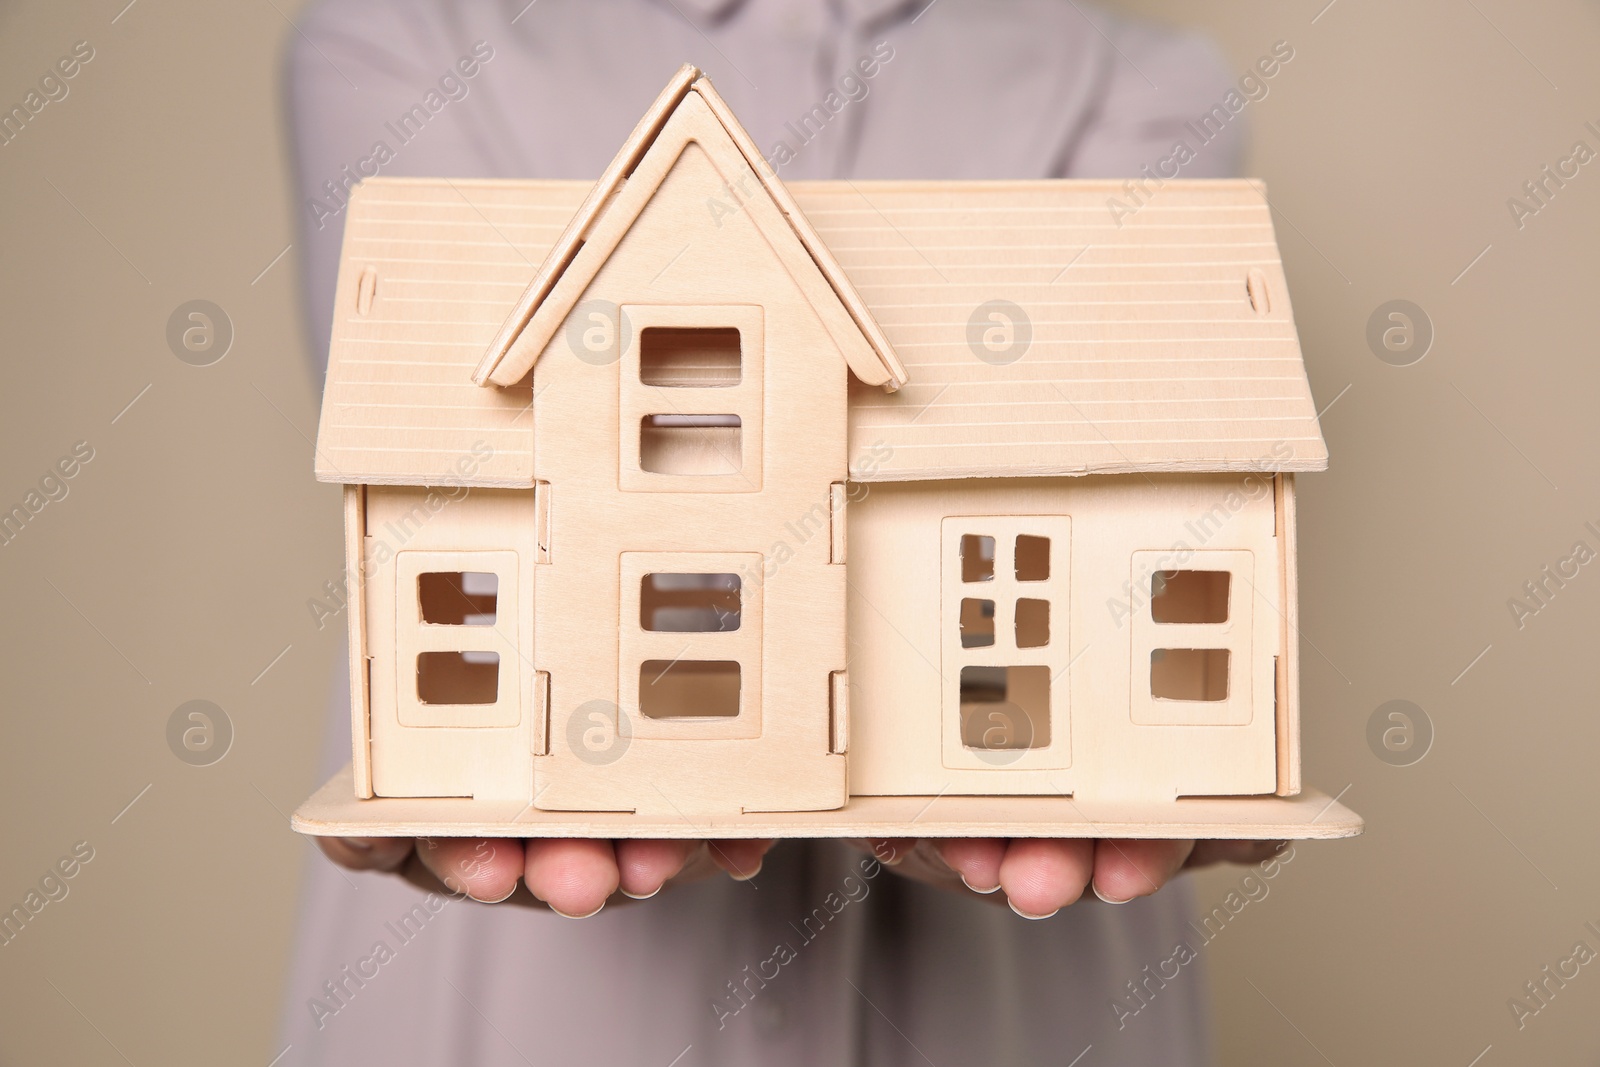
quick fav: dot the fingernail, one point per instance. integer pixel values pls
(1025, 915)
(992, 889)
(358, 845)
(1105, 898)
(564, 915)
(641, 896)
(498, 899)
(746, 877)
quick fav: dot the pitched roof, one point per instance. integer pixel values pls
(689, 109)
(1146, 351)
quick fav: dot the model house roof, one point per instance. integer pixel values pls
(1145, 347)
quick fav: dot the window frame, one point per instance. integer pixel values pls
(637, 401)
(1005, 590)
(413, 637)
(636, 645)
(1236, 634)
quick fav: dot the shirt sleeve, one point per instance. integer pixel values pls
(1162, 89)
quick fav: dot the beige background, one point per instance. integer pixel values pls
(179, 564)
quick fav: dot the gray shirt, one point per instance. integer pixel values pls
(812, 962)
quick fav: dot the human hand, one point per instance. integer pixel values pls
(1040, 876)
(572, 877)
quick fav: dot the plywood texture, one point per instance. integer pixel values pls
(334, 811)
(1144, 351)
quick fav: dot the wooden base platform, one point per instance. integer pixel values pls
(335, 811)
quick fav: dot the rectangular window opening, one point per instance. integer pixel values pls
(977, 558)
(458, 677)
(977, 623)
(689, 603)
(1189, 674)
(699, 445)
(1033, 558)
(677, 357)
(1189, 596)
(1005, 709)
(1033, 622)
(458, 598)
(688, 689)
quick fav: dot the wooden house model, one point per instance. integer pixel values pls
(830, 508)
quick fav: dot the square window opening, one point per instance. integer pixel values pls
(1033, 623)
(1189, 596)
(977, 623)
(689, 603)
(1005, 708)
(458, 598)
(458, 677)
(977, 558)
(688, 689)
(697, 357)
(1033, 558)
(1189, 674)
(698, 445)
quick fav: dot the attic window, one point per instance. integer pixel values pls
(691, 444)
(677, 357)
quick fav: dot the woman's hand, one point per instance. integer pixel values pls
(575, 878)
(1040, 876)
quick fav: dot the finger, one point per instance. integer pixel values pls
(366, 853)
(975, 859)
(1127, 869)
(643, 867)
(1043, 875)
(742, 859)
(1208, 852)
(573, 877)
(484, 869)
